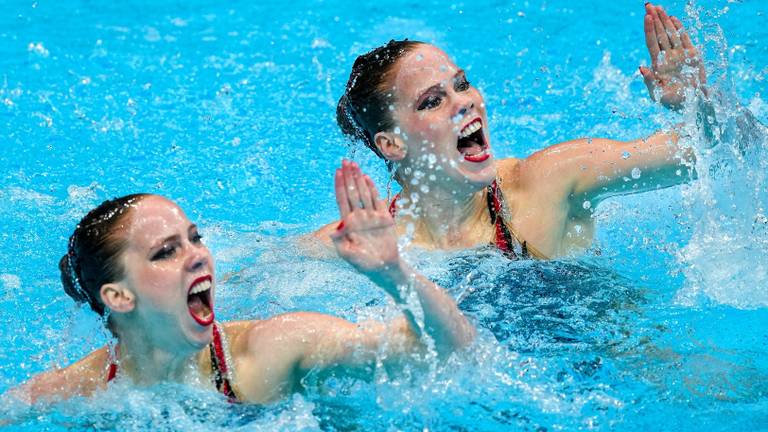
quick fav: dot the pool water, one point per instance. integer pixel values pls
(229, 110)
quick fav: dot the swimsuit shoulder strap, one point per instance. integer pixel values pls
(505, 240)
(222, 375)
(112, 355)
(393, 205)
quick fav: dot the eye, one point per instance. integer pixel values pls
(196, 238)
(461, 84)
(430, 102)
(167, 251)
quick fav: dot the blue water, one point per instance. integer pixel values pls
(230, 111)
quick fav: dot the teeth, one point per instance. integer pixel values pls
(470, 129)
(202, 286)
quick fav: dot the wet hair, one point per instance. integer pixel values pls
(92, 257)
(363, 110)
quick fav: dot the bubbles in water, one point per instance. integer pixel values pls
(586, 205)
(38, 48)
(636, 172)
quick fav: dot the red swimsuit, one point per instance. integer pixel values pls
(219, 368)
(503, 239)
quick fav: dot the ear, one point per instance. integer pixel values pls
(391, 145)
(117, 298)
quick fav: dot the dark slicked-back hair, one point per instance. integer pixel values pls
(92, 257)
(364, 109)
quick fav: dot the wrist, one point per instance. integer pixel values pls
(391, 277)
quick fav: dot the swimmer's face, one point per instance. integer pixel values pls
(170, 272)
(441, 119)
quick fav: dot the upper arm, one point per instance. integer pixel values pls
(629, 166)
(304, 341)
(82, 378)
(594, 168)
(335, 342)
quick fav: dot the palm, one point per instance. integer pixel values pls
(676, 66)
(369, 242)
(366, 236)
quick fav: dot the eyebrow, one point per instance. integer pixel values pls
(438, 85)
(174, 237)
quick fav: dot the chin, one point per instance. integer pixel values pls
(480, 175)
(200, 338)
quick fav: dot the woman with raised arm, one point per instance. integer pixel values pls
(140, 263)
(411, 105)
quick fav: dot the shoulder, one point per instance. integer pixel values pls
(267, 354)
(280, 332)
(320, 240)
(82, 378)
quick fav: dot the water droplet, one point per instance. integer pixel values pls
(397, 130)
(636, 173)
(626, 155)
(587, 205)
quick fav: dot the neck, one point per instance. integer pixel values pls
(447, 218)
(147, 362)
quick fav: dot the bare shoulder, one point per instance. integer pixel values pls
(279, 331)
(554, 164)
(82, 378)
(324, 233)
(318, 244)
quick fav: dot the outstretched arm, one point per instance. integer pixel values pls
(595, 168)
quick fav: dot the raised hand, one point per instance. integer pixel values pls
(676, 65)
(366, 236)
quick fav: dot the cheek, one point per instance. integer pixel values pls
(157, 281)
(429, 126)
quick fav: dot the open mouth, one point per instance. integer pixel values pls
(471, 142)
(199, 300)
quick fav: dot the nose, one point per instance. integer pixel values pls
(464, 107)
(198, 258)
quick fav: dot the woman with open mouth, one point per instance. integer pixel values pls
(140, 263)
(410, 104)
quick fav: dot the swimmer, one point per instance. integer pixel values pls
(411, 105)
(142, 265)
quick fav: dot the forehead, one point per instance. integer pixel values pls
(423, 67)
(155, 217)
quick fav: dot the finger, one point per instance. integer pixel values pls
(650, 81)
(669, 28)
(342, 200)
(353, 195)
(684, 38)
(650, 38)
(661, 34)
(374, 193)
(365, 191)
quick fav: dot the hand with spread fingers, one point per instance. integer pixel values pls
(366, 236)
(675, 63)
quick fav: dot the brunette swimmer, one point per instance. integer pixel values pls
(140, 262)
(410, 104)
